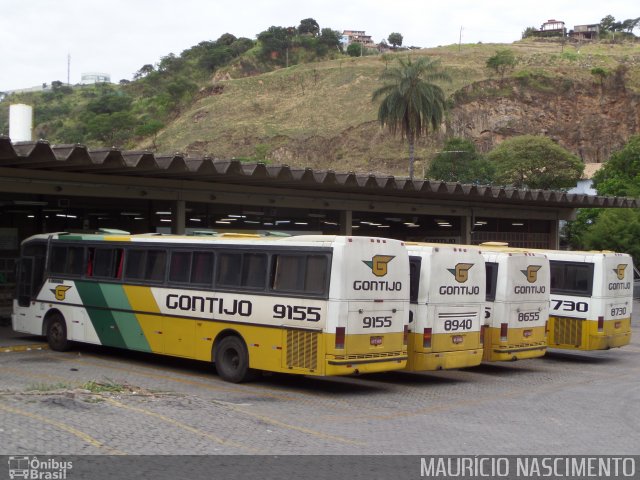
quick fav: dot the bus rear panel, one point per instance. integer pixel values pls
(517, 307)
(591, 300)
(447, 306)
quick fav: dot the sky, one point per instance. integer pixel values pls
(118, 37)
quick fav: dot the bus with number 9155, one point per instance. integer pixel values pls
(312, 305)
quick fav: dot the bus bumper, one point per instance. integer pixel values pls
(605, 342)
(419, 362)
(338, 366)
(508, 354)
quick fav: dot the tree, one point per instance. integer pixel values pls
(459, 161)
(309, 25)
(395, 39)
(610, 229)
(529, 32)
(330, 38)
(502, 62)
(535, 162)
(601, 74)
(275, 42)
(620, 176)
(617, 230)
(607, 24)
(355, 50)
(410, 102)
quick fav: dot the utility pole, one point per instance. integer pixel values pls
(460, 40)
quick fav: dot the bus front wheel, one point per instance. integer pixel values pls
(232, 360)
(57, 333)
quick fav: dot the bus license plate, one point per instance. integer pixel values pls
(457, 339)
(375, 341)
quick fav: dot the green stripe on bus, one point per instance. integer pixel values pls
(101, 317)
(126, 320)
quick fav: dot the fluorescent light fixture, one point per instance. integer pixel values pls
(30, 216)
(62, 215)
(330, 223)
(130, 214)
(384, 226)
(301, 223)
(251, 221)
(163, 213)
(225, 222)
(268, 224)
(33, 203)
(355, 226)
(138, 218)
(517, 224)
(282, 222)
(167, 220)
(195, 219)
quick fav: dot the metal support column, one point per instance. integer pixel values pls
(346, 219)
(179, 217)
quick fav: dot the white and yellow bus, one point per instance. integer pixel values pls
(312, 305)
(447, 306)
(517, 308)
(591, 300)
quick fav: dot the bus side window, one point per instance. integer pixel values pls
(299, 273)
(491, 269)
(179, 267)
(106, 262)
(58, 259)
(155, 265)
(229, 269)
(202, 268)
(254, 269)
(316, 275)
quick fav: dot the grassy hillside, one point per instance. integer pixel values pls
(321, 114)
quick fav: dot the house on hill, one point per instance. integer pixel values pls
(585, 32)
(357, 36)
(552, 28)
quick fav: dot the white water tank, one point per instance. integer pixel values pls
(20, 122)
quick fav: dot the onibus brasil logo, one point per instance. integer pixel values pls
(378, 264)
(531, 273)
(461, 272)
(619, 270)
(34, 468)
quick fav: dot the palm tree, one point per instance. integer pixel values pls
(411, 103)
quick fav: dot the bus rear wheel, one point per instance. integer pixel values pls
(57, 334)
(232, 360)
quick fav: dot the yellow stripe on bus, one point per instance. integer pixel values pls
(141, 300)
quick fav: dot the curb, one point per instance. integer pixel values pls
(24, 348)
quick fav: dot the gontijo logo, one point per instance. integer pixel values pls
(461, 272)
(619, 270)
(378, 264)
(60, 291)
(531, 273)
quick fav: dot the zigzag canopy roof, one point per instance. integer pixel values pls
(40, 155)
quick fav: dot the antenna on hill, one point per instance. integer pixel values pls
(460, 39)
(68, 68)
